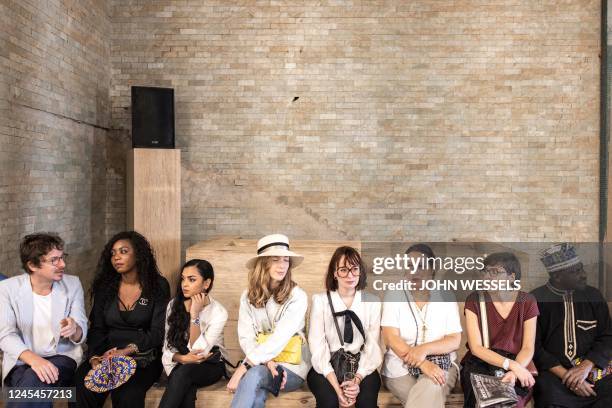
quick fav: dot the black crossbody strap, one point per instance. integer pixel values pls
(331, 305)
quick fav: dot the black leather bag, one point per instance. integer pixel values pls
(145, 358)
(216, 356)
(342, 361)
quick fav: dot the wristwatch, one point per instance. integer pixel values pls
(506, 364)
(246, 364)
(195, 321)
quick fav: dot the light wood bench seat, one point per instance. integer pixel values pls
(216, 396)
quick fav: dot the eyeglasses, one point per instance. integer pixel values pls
(492, 271)
(344, 271)
(55, 260)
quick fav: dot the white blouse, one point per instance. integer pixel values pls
(212, 322)
(283, 320)
(435, 320)
(323, 337)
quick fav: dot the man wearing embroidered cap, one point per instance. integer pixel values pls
(573, 348)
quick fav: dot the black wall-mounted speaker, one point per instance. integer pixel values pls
(152, 117)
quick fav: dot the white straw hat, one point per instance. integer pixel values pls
(274, 245)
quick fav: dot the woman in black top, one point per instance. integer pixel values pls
(129, 304)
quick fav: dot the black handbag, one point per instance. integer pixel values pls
(441, 360)
(217, 358)
(342, 361)
(145, 358)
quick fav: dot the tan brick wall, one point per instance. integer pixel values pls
(55, 172)
(415, 120)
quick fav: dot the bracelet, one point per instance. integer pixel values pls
(133, 346)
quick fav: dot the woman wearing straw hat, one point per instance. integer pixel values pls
(271, 323)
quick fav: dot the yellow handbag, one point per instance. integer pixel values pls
(292, 353)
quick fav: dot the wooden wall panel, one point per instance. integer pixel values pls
(154, 203)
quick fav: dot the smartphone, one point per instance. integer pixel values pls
(277, 381)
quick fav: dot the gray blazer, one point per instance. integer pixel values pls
(16, 304)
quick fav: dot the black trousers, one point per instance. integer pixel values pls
(326, 396)
(24, 376)
(184, 381)
(550, 392)
(129, 395)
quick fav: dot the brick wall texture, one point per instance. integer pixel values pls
(364, 119)
(415, 120)
(54, 140)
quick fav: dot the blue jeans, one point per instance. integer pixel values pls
(251, 392)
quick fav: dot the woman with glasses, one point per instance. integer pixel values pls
(345, 319)
(422, 331)
(501, 330)
(127, 319)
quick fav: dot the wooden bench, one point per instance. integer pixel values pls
(216, 396)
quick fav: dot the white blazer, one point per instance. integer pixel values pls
(212, 321)
(16, 308)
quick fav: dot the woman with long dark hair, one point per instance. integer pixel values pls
(193, 347)
(127, 319)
